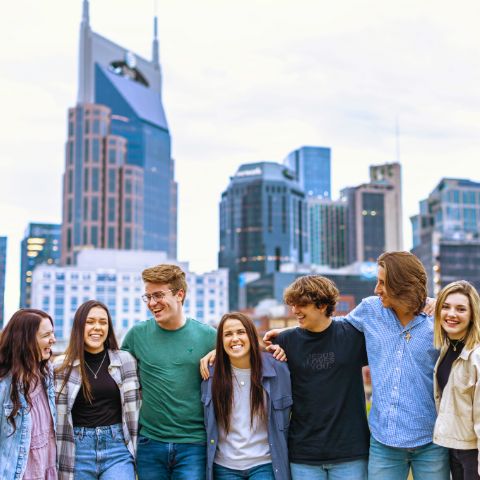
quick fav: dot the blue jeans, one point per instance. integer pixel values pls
(428, 462)
(101, 453)
(260, 472)
(170, 461)
(354, 470)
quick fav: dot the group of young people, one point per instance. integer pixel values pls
(101, 412)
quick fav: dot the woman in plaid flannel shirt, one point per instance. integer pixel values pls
(98, 401)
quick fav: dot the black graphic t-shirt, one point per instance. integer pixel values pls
(329, 423)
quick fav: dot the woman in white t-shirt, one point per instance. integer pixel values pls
(247, 404)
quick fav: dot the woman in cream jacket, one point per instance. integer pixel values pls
(457, 377)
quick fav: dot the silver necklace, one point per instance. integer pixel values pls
(454, 343)
(101, 363)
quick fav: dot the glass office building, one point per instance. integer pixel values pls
(40, 245)
(119, 187)
(312, 167)
(263, 223)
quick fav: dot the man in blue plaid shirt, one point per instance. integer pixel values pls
(401, 355)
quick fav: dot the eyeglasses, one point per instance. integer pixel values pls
(156, 296)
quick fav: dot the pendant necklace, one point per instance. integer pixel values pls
(454, 343)
(407, 335)
(101, 363)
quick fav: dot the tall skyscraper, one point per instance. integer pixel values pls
(375, 214)
(263, 222)
(119, 187)
(40, 244)
(3, 265)
(328, 237)
(446, 233)
(312, 169)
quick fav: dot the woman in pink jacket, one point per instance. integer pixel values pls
(457, 377)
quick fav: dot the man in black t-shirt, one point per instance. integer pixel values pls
(328, 435)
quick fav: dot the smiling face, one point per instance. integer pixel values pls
(96, 330)
(310, 317)
(456, 315)
(45, 338)
(165, 305)
(236, 343)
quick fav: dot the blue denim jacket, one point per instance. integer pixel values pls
(14, 448)
(276, 382)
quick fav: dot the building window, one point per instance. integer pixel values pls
(94, 235)
(128, 210)
(112, 179)
(85, 179)
(111, 237)
(95, 208)
(95, 179)
(111, 209)
(137, 305)
(95, 150)
(70, 181)
(87, 149)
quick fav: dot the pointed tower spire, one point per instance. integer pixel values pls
(85, 12)
(85, 75)
(155, 53)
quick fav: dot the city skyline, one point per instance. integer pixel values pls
(246, 85)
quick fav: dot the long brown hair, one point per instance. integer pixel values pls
(21, 357)
(76, 345)
(222, 383)
(405, 279)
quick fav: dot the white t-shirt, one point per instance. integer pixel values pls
(244, 447)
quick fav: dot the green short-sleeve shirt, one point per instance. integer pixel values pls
(169, 370)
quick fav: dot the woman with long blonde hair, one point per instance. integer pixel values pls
(457, 377)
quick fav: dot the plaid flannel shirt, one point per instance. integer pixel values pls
(123, 369)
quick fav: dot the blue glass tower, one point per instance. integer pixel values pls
(263, 223)
(40, 244)
(312, 168)
(122, 192)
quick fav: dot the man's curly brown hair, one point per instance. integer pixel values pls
(312, 289)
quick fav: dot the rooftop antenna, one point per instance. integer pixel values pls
(85, 12)
(155, 50)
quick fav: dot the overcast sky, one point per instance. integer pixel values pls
(248, 81)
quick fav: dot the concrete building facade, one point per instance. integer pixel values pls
(375, 214)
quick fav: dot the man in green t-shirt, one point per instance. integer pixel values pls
(168, 349)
